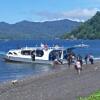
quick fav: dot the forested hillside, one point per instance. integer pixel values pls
(87, 30)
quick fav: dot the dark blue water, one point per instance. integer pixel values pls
(9, 71)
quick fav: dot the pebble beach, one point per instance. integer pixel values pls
(63, 84)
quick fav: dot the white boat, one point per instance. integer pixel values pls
(82, 45)
(42, 55)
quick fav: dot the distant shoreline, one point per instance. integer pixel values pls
(46, 38)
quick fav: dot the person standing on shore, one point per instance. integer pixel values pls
(78, 66)
(86, 59)
(33, 55)
(79, 58)
(91, 59)
(69, 59)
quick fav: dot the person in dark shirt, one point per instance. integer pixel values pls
(86, 59)
(91, 59)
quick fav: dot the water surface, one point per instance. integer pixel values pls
(9, 71)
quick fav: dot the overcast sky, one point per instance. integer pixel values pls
(12, 11)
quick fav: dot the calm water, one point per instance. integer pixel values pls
(10, 71)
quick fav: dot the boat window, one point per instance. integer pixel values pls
(39, 53)
(15, 53)
(33, 52)
(55, 54)
(26, 52)
(10, 53)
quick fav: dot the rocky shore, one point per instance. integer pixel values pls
(63, 84)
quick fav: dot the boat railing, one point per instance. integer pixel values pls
(29, 48)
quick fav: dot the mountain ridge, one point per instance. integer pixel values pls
(27, 29)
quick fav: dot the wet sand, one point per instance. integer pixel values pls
(63, 84)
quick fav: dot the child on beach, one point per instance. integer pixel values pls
(79, 58)
(78, 66)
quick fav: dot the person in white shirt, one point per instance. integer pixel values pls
(78, 66)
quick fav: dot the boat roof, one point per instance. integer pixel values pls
(53, 48)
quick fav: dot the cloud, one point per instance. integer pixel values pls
(77, 14)
(80, 14)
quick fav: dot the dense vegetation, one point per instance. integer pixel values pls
(36, 30)
(87, 30)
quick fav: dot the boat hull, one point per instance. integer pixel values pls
(26, 60)
(29, 60)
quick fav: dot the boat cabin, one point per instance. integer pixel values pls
(41, 54)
